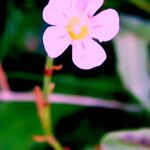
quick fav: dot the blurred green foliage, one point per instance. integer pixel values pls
(75, 126)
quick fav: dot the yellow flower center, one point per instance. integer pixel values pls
(77, 28)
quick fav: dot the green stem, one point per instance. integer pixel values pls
(47, 79)
(47, 121)
(46, 115)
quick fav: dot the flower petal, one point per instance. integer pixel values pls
(57, 11)
(89, 7)
(87, 54)
(105, 25)
(56, 41)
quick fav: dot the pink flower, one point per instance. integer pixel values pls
(73, 23)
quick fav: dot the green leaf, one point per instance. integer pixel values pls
(19, 122)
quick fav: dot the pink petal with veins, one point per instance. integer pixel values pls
(88, 7)
(57, 12)
(87, 54)
(105, 25)
(56, 41)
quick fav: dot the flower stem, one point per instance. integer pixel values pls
(47, 78)
(45, 110)
(46, 121)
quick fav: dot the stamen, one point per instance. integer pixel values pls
(78, 28)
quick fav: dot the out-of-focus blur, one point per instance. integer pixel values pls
(86, 104)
